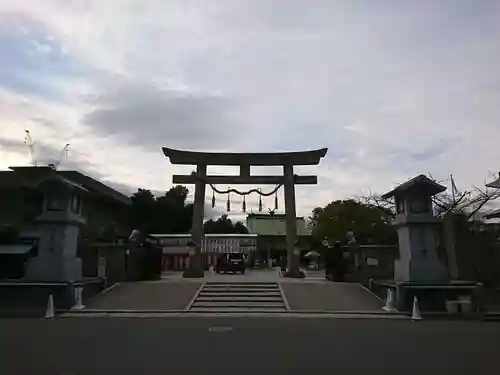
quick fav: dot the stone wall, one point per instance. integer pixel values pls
(378, 262)
(472, 254)
(115, 255)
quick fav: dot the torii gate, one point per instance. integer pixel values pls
(244, 160)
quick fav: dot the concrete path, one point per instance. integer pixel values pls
(146, 296)
(330, 296)
(253, 292)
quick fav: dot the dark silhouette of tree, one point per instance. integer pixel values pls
(143, 210)
(224, 225)
(168, 213)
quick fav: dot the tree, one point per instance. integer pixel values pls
(224, 225)
(370, 224)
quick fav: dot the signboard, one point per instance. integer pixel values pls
(372, 262)
(101, 267)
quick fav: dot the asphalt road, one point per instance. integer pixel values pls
(247, 346)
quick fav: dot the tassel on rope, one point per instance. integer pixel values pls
(244, 205)
(228, 204)
(276, 201)
(213, 199)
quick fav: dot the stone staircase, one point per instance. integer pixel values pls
(239, 297)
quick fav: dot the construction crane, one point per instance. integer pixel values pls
(62, 154)
(29, 141)
(31, 147)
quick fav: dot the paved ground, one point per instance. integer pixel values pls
(246, 346)
(146, 296)
(329, 296)
(175, 293)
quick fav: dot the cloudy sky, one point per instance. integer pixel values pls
(392, 88)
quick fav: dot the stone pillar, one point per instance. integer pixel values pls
(199, 205)
(291, 224)
(195, 268)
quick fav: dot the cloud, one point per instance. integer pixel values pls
(393, 90)
(151, 117)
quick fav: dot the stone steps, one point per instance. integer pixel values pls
(256, 304)
(243, 294)
(239, 297)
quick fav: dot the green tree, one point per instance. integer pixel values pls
(224, 225)
(370, 225)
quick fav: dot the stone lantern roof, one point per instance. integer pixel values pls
(495, 184)
(421, 182)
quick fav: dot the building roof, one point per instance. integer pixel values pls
(96, 186)
(420, 181)
(30, 177)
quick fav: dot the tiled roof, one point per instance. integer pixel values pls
(495, 184)
(420, 180)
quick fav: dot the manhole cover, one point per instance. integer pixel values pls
(220, 329)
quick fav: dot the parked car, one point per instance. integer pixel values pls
(234, 262)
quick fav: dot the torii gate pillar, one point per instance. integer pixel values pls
(245, 160)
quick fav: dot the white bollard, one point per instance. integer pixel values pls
(416, 310)
(389, 302)
(49, 313)
(78, 299)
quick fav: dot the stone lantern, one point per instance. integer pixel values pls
(419, 232)
(59, 223)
